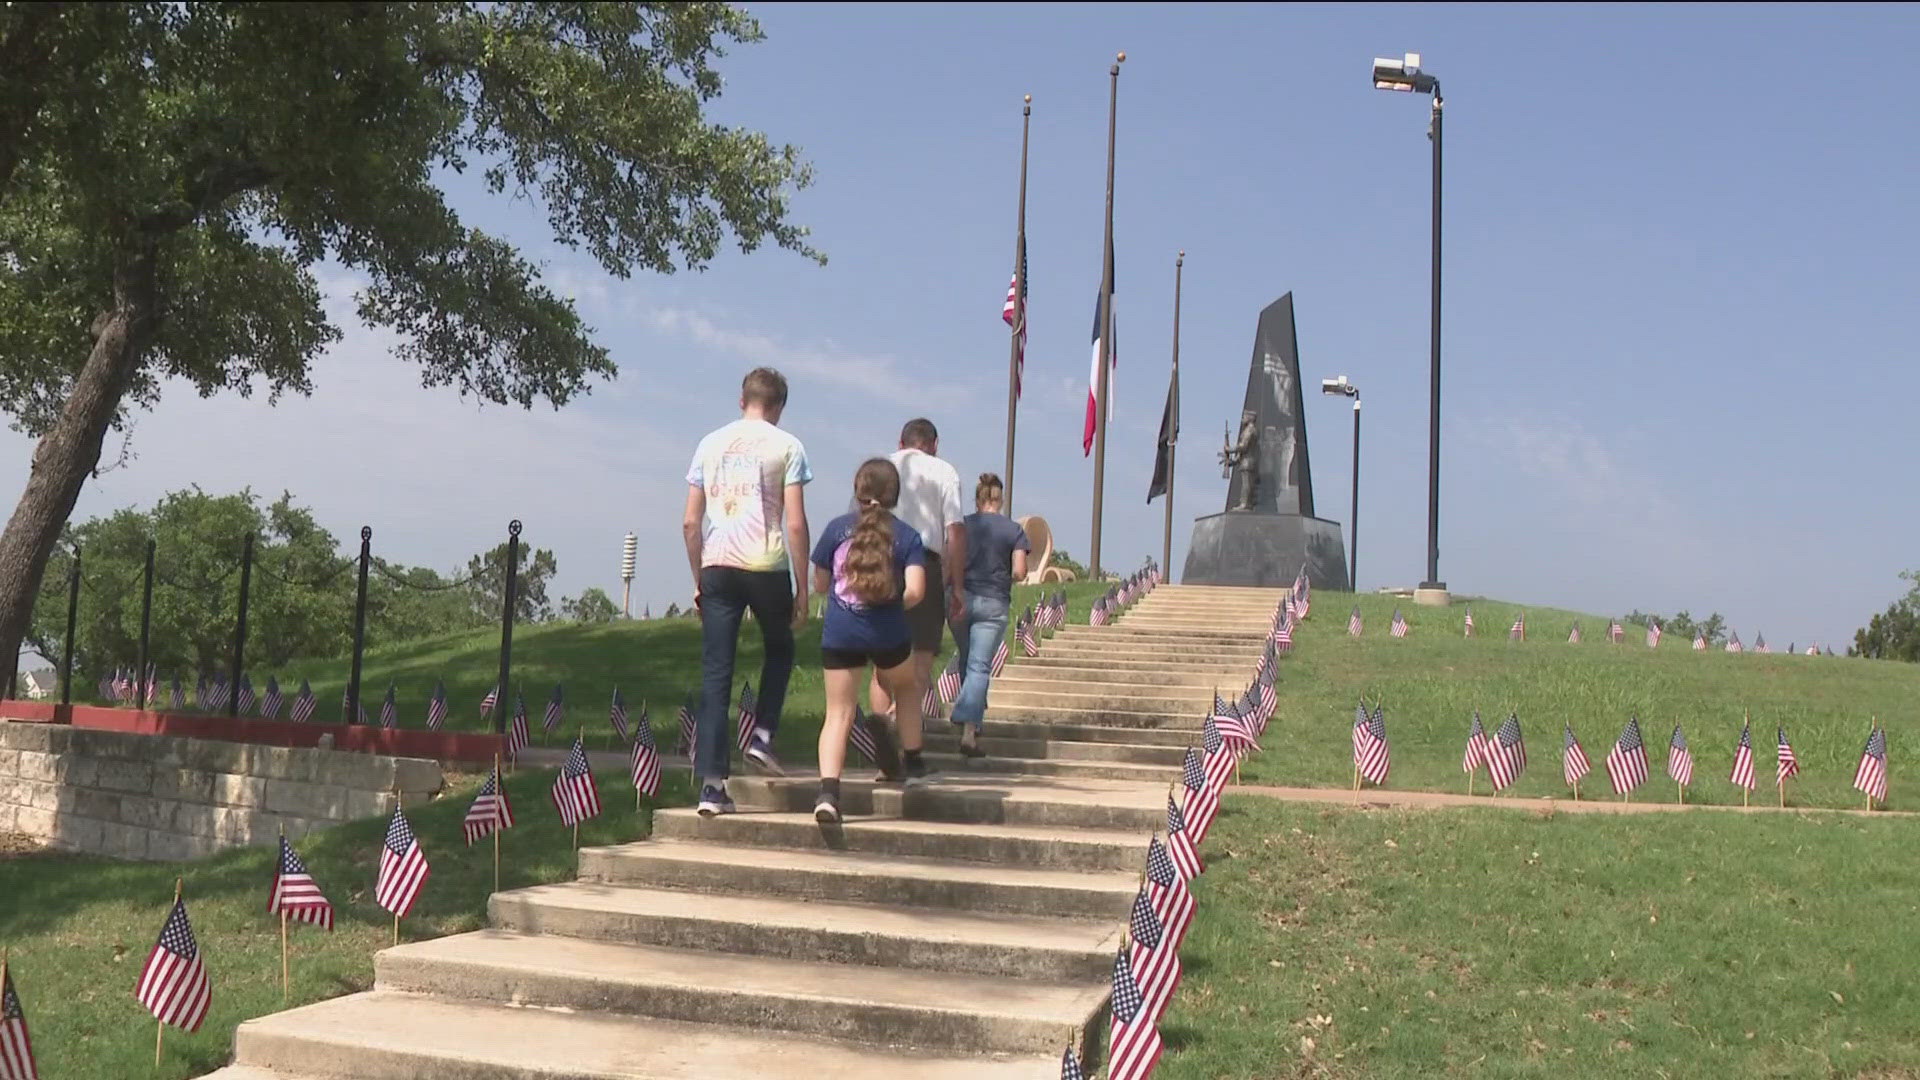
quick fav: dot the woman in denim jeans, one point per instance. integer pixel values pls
(996, 557)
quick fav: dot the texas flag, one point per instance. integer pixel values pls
(1093, 380)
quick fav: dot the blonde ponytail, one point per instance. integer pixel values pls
(870, 575)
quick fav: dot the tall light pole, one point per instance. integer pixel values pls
(1405, 76)
(1342, 387)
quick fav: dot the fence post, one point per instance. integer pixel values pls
(73, 609)
(508, 584)
(143, 676)
(359, 629)
(240, 628)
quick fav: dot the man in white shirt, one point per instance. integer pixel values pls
(930, 503)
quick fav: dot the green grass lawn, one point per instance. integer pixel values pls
(1432, 681)
(1343, 943)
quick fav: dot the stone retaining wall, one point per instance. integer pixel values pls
(169, 798)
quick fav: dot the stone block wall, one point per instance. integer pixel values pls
(168, 798)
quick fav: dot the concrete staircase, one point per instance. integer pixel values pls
(963, 930)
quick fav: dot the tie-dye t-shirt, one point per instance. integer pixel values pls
(745, 468)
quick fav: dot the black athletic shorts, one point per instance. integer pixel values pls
(928, 618)
(890, 657)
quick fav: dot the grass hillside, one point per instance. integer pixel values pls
(1432, 681)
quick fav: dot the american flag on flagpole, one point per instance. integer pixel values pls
(200, 693)
(1653, 634)
(1518, 632)
(1785, 764)
(1172, 901)
(930, 704)
(1013, 312)
(1627, 761)
(1871, 777)
(1398, 627)
(437, 706)
(1232, 725)
(1133, 1042)
(270, 704)
(1615, 632)
(1098, 616)
(1506, 754)
(1573, 635)
(1469, 621)
(490, 810)
(1219, 758)
(556, 708)
(1370, 753)
(688, 724)
(303, 704)
(574, 793)
(646, 758)
(617, 715)
(1028, 635)
(389, 709)
(488, 701)
(246, 695)
(862, 737)
(1070, 1067)
(1573, 759)
(1180, 846)
(1760, 644)
(1353, 622)
(519, 736)
(1733, 642)
(949, 681)
(1476, 752)
(176, 696)
(1679, 759)
(403, 868)
(16, 1048)
(1000, 658)
(295, 892)
(749, 714)
(173, 984)
(1743, 759)
(1202, 801)
(1699, 642)
(1156, 961)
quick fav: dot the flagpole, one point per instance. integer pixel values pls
(397, 801)
(500, 792)
(1105, 359)
(1017, 332)
(285, 984)
(160, 1026)
(1173, 431)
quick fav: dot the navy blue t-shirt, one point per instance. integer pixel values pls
(851, 624)
(991, 541)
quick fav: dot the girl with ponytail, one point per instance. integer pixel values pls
(871, 567)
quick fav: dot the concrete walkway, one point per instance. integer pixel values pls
(964, 930)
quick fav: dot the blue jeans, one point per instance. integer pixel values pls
(983, 628)
(726, 594)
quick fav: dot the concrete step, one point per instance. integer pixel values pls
(955, 766)
(941, 1010)
(1141, 634)
(1081, 733)
(1006, 946)
(1060, 750)
(1066, 802)
(1021, 845)
(387, 1035)
(248, 1072)
(1172, 649)
(1020, 693)
(1091, 659)
(1185, 720)
(1171, 676)
(856, 877)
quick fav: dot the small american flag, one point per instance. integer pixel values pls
(1180, 845)
(389, 709)
(617, 714)
(1469, 621)
(1573, 759)
(403, 868)
(1813, 650)
(688, 724)
(490, 810)
(1283, 641)
(1029, 636)
(200, 693)
(218, 694)
(303, 704)
(1070, 1067)
(1398, 627)
(1791, 648)
(930, 704)
(1370, 753)
(1013, 312)
(246, 695)
(1506, 754)
(1269, 700)
(1785, 764)
(1219, 759)
(1733, 642)
(1202, 801)
(1760, 644)
(437, 706)
(950, 680)
(1098, 616)
(999, 658)
(1476, 754)
(270, 704)
(1230, 724)
(1699, 642)
(174, 985)
(1156, 961)
(1871, 777)
(1679, 760)
(1573, 636)
(1172, 901)
(646, 761)
(177, 697)
(1653, 634)
(574, 793)
(556, 708)
(488, 701)
(519, 736)
(16, 1048)
(1354, 623)
(295, 892)
(1133, 1043)
(749, 715)
(1615, 632)
(1519, 630)
(861, 735)
(1627, 761)
(1743, 759)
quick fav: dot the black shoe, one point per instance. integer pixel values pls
(917, 771)
(826, 808)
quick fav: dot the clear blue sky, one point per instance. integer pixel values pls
(1680, 300)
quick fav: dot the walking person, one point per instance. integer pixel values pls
(996, 558)
(930, 505)
(746, 510)
(871, 568)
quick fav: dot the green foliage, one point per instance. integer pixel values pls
(1894, 634)
(1503, 944)
(1681, 624)
(1066, 562)
(593, 606)
(486, 586)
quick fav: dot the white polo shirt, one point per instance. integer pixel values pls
(929, 497)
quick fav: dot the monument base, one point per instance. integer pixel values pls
(1434, 595)
(1247, 547)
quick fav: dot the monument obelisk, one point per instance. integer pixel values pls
(1268, 530)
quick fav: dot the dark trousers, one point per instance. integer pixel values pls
(726, 594)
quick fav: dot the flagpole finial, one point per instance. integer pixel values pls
(1028, 99)
(1122, 58)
